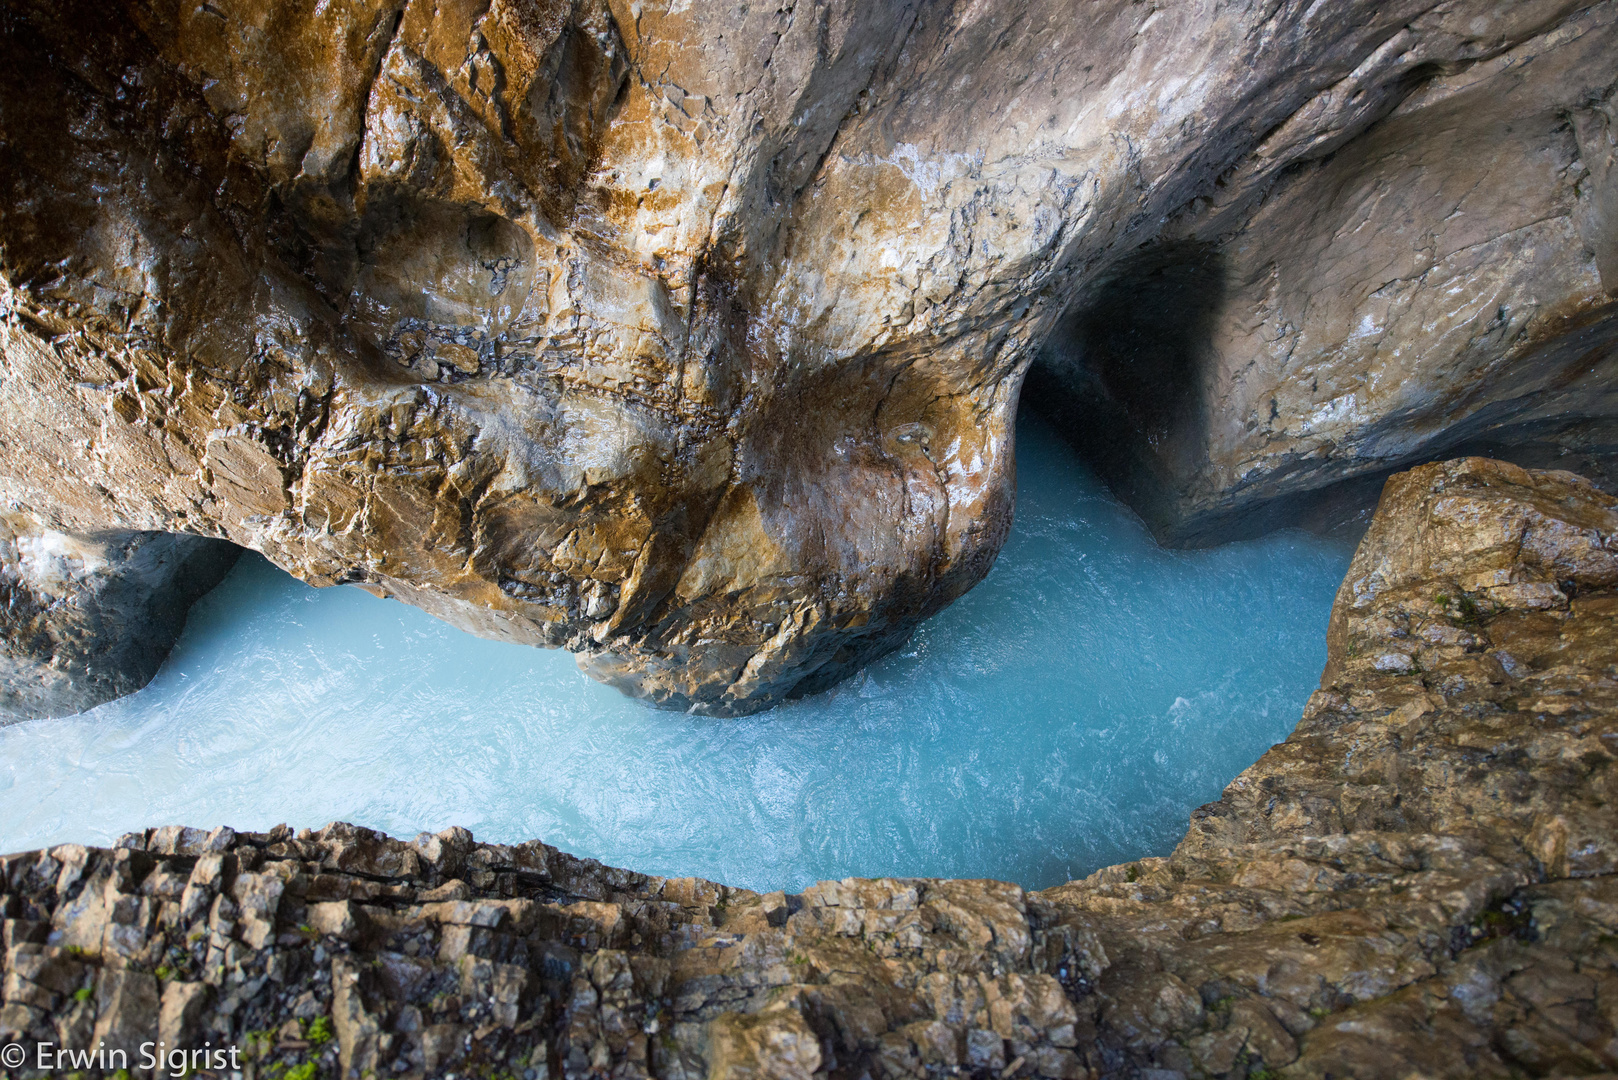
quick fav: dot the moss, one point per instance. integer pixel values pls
(82, 994)
(1132, 872)
(319, 1031)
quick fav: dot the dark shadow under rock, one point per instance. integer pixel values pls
(84, 620)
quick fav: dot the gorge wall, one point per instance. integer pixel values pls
(88, 619)
(1421, 881)
(1440, 280)
(689, 336)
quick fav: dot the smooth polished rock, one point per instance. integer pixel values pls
(88, 619)
(689, 336)
(1430, 272)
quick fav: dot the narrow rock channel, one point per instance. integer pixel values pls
(1422, 880)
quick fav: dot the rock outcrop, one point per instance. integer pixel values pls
(689, 336)
(1352, 297)
(84, 620)
(1421, 881)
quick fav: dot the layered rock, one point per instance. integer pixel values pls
(689, 336)
(1422, 880)
(88, 619)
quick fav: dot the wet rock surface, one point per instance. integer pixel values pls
(689, 336)
(84, 620)
(1420, 881)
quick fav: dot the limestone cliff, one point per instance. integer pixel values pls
(1421, 881)
(689, 335)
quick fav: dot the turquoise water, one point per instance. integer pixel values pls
(1066, 714)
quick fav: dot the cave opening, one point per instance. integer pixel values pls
(1120, 376)
(1133, 378)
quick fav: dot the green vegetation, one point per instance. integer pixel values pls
(307, 1071)
(1467, 611)
(319, 1031)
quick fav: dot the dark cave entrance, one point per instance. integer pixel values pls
(1128, 375)
(1120, 377)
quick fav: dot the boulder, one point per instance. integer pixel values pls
(86, 619)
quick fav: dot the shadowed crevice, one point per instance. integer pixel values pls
(1121, 376)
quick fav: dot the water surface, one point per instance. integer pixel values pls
(1066, 714)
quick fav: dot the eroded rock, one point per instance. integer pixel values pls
(84, 620)
(1421, 881)
(689, 337)
(1420, 261)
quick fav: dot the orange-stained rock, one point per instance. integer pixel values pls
(689, 336)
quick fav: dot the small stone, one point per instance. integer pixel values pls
(334, 919)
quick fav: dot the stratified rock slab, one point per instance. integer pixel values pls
(1419, 882)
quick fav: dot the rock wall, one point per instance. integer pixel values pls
(87, 619)
(689, 336)
(1421, 881)
(1421, 260)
